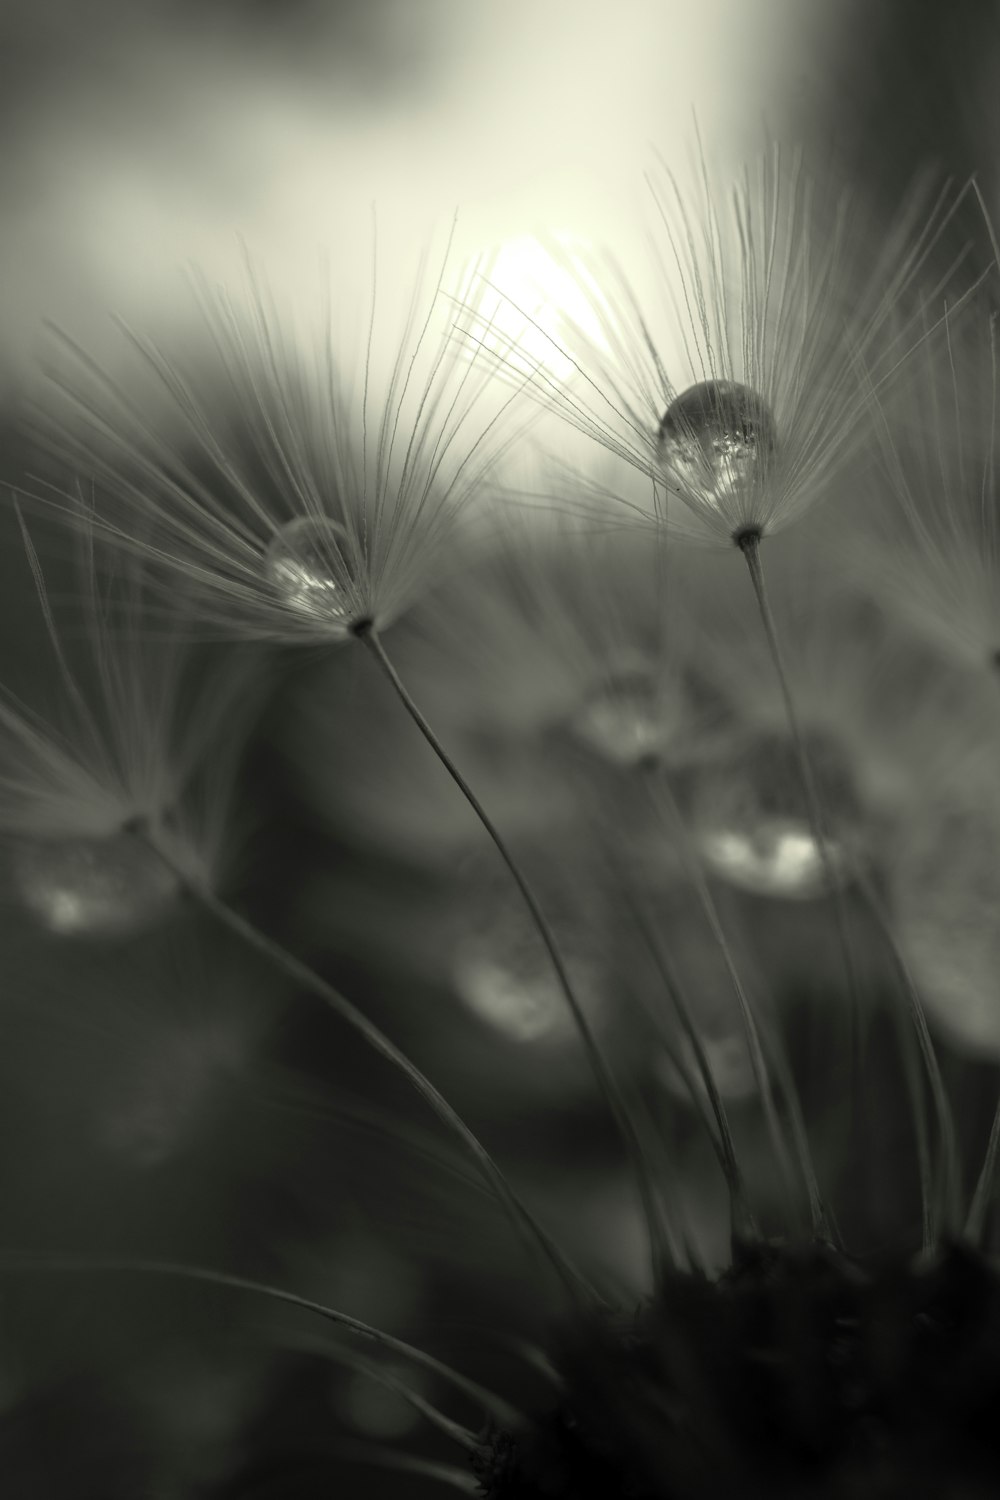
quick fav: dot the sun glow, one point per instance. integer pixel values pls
(527, 295)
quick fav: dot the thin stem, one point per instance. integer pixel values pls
(749, 545)
(818, 1215)
(456, 1431)
(950, 1172)
(23, 1261)
(658, 1238)
(741, 1216)
(301, 974)
(975, 1224)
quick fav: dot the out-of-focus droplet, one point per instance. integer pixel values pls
(168, 1093)
(517, 999)
(728, 1058)
(946, 902)
(307, 563)
(752, 823)
(106, 887)
(624, 720)
(715, 440)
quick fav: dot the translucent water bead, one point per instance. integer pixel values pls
(623, 719)
(307, 563)
(106, 887)
(715, 440)
(752, 824)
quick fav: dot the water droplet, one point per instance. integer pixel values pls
(519, 1001)
(752, 824)
(307, 562)
(716, 440)
(728, 1058)
(107, 887)
(624, 719)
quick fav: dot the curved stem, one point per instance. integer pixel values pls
(818, 1215)
(950, 1173)
(741, 1217)
(463, 1436)
(23, 1261)
(749, 545)
(659, 1242)
(301, 974)
(975, 1224)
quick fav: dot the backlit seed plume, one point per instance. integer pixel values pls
(133, 758)
(300, 474)
(734, 384)
(931, 548)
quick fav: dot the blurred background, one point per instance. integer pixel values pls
(166, 1096)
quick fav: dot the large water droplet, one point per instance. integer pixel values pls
(307, 562)
(106, 887)
(715, 440)
(752, 823)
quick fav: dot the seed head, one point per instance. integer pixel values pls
(740, 396)
(296, 482)
(135, 756)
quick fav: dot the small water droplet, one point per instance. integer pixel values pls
(716, 439)
(307, 563)
(104, 887)
(752, 822)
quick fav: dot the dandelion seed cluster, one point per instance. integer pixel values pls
(623, 911)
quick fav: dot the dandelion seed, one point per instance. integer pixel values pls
(295, 490)
(740, 393)
(928, 544)
(134, 742)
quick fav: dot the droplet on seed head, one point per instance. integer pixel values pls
(308, 564)
(716, 439)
